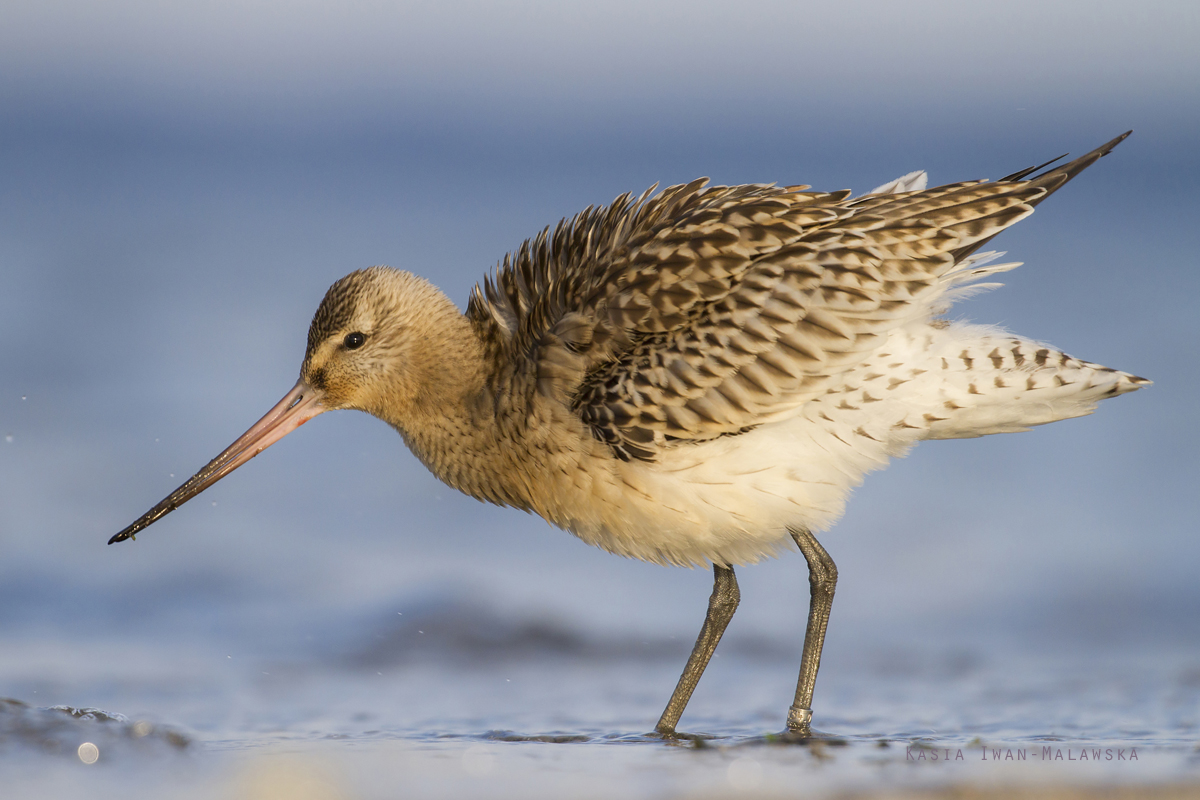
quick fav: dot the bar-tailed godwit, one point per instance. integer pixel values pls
(699, 376)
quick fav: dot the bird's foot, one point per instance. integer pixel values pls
(798, 719)
(799, 731)
(676, 737)
(805, 738)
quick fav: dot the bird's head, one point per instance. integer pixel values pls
(376, 344)
(369, 344)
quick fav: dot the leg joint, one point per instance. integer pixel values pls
(822, 572)
(823, 575)
(725, 595)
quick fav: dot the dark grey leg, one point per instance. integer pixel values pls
(721, 605)
(822, 580)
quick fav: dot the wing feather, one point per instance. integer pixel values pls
(702, 312)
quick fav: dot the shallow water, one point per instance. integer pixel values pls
(458, 699)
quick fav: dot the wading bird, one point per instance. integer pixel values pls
(699, 376)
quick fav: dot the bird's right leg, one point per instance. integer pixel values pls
(721, 605)
(822, 580)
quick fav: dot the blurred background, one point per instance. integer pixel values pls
(180, 183)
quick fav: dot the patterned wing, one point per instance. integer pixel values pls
(701, 313)
(744, 318)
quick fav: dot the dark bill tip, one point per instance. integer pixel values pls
(297, 407)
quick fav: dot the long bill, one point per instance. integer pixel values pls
(297, 407)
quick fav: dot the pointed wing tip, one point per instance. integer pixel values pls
(1054, 179)
(1100, 152)
(1107, 147)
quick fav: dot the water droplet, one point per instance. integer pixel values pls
(142, 728)
(172, 474)
(88, 753)
(8, 438)
(23, 397)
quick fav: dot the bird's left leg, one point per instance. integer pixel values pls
(822, 580)
(721, 605)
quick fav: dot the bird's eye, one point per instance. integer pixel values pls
(353, 341)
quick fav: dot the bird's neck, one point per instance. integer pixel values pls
(452, 424)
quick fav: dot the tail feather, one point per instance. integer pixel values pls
(996, 382)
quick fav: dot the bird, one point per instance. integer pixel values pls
(697, 376)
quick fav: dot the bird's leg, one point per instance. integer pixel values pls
(822, 580)
(721, 605)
